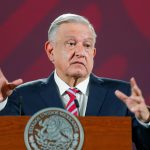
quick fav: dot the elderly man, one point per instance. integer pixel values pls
(71, 48)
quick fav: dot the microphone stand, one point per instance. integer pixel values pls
(77, 105)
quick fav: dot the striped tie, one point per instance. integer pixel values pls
(71, 106)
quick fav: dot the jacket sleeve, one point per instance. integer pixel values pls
(13, 106)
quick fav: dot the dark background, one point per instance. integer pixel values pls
(123, 43)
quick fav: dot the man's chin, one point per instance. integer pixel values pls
(79, 74)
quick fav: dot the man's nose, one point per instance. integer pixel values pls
(80, 50)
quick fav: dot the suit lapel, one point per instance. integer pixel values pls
(96, 96)
(49, 93)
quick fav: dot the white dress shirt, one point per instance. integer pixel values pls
(3, 104)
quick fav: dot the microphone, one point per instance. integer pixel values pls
(20, 105)
(77, 105)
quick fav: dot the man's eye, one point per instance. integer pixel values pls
(88, 45)
(70, 44)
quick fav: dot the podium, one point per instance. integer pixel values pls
(102, 133)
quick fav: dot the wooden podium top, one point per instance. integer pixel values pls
(103, 133)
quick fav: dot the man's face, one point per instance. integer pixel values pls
(73, 51)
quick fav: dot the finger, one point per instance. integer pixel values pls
(1, 74)
(121, 96)
(137, 91)
(1, 97)
(134, 88)
(132, 83)
(15, 83)
(136, 99)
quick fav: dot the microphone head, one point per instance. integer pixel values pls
(76, 103)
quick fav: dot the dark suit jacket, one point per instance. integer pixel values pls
(33, 96)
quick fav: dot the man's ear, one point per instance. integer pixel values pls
(49, 51)
(94, 52)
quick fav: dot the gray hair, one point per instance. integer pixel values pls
(68, 18)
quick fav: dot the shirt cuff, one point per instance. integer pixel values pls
(146, 125)
(3, 104)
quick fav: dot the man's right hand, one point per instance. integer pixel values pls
(6, 88)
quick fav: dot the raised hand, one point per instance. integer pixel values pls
(6, 88)
(135, 102)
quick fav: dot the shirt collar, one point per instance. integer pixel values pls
(64, 87)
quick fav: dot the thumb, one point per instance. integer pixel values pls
(15, 83)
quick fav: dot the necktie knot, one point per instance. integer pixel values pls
(72, 92)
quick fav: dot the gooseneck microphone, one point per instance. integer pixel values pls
(21, 105)
(77, 105)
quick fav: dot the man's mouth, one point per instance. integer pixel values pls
(78, 62)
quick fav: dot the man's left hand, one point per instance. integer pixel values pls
(135, 102)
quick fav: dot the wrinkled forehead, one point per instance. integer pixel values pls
(73, 29)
